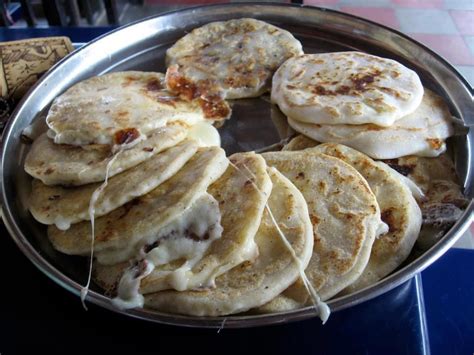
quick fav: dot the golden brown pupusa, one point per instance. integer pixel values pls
(230, 59)
(112, 107)
(345, 88)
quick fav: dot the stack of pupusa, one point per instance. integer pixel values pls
(420, 198)
(118, 143)
(380, 108)
(284, 216)
(372, 104)
(118, 126)
(395, 196)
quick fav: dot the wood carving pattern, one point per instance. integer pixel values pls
(23, 62)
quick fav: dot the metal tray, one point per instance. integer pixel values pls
(142, 46)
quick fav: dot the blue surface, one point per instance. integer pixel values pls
(449, 299)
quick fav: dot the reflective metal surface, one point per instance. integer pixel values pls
(141, 46)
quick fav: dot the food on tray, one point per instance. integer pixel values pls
(300, 142)
(422, 132)
(398, 208)
(124, 231)
(443, 201)
(240, 205)
(228, 60)
(267, 273)
(63, 206)
(346, 88)
(184, 259)
(345, 217)
(133, 174)
(61, 164)
(120, 108)
(255, 282)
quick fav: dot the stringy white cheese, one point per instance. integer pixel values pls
(321, 307)
(94, 198)
(187, 237)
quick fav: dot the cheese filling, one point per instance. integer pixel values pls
(187, 237)
(205, 134)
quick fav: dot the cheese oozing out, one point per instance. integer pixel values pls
(205, 134)
(186, 237)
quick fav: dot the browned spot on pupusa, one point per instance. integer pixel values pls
(206, 93)
(128, 206)
(129, 80)
(272, 30)
(373, 127)
(393, 92)
(179, 84)
(388, 217)
(322, 186)
(122, 114)
(298, 74)
(314, 219)
(195, 237)
(167, 100)
(361, 81)
(154, 85)
(214, 108)
(126, 135)
(435, 143)
(321, 90)
(343, 90)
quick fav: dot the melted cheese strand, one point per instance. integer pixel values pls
(222, 325)
(95, 196)
(321, 307)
